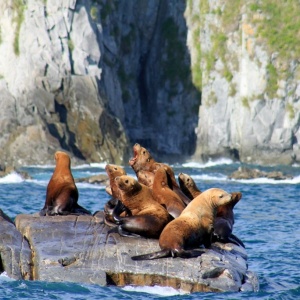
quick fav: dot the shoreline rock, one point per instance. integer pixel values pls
(79, 249)
(248, 173)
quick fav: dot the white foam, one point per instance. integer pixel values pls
(208, 177)
(210, 163)
(91, 165)
(12, 177)
(157, 290)
(5, 277)
(263, 180)
(85, 185)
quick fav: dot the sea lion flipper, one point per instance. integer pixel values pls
(235, 240)
(153, 255)
(126, 233)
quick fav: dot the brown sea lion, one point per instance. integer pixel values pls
(148, 217)
(143, 160)
(223, 224)
(164, 195)
(112, 171)
(192, 228)
(188, 186)
(62, 194)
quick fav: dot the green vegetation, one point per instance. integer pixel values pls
(71, 45)
(272, 85)
(94, 12)
(245, 102)
(290, 110)
(18, 7)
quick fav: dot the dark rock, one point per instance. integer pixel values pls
(247, 173)
(15, 253)
(96, 179)
(79, 249)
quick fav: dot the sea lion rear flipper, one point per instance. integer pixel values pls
(153, 255)
(79, 210)
(123, 232)
(235, 240)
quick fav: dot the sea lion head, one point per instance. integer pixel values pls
(128, 185)
(218, 197)
(185, 180)
(141, 158)
(236, 197)
(114, 170)
(62, 159)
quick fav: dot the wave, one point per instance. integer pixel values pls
(157, 290)
(263, 180)
(91, 165)
(210, 163)
(5, 277)
(12, 177)
(85, 185)
(207, 177)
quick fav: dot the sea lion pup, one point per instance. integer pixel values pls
(143, 160)
(62, 194)
(112, 172)
(148, 217)
(223, 224)
(192, 228)
(188, 186)
(164, 195)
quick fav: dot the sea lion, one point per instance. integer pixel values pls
(62, 194)
(223, 224)
(112, 172)
(192, 228)
(148, 217)
(188, 186)
(143, 160)
(164, 195)
(146, 178)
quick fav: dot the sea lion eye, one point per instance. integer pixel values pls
(221, 196)
(144, 152)
(126, 181)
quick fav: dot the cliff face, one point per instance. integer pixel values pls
(244, 60)
(92, 78)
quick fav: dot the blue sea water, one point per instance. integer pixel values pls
(267, 221)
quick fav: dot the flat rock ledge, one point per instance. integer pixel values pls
(78, 249)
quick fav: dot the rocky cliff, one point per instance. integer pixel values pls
(94, 77)
(244, 59)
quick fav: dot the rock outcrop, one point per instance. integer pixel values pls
(249, 173)
(250, 107)
(85, 77)
(79, 249)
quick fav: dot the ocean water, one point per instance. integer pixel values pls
(267, 221)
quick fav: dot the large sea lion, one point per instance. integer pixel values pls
(223, 224)
(148, 217)
(188, 186)
(62, 194)
(143, 160)
(164, 195)
(192, 228)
